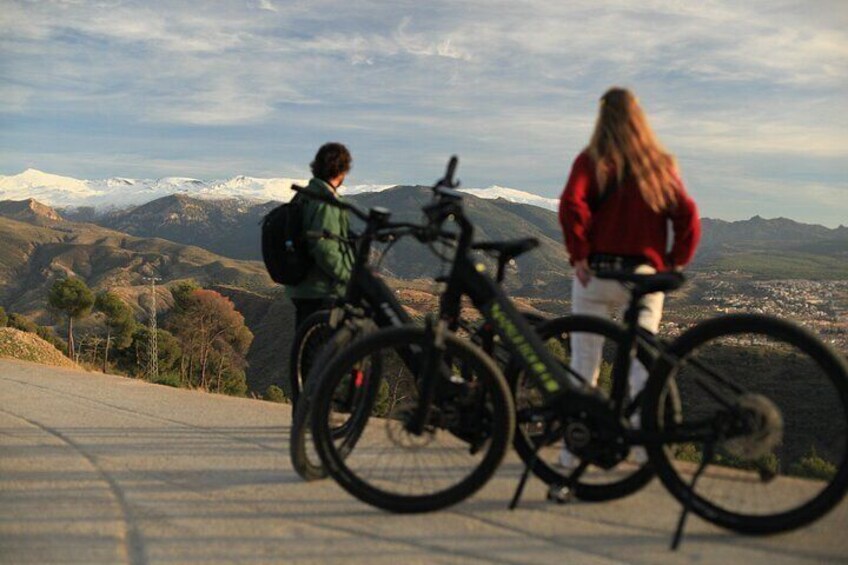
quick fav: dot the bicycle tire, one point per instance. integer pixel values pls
(305, 462)
(633, 477)
(807, 356)
(309, 338)
(488, 386)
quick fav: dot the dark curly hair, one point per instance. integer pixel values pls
(331, 160)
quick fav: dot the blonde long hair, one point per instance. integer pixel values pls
(624, 142)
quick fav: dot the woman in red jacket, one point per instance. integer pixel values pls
(623, 193)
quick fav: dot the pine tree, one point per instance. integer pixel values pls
(74, 299)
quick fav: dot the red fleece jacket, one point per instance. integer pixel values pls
(624, 224)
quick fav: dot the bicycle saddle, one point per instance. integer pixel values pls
(509, 249)
(646, 284)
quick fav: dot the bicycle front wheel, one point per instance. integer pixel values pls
(776, 400)
(386, 464)
(595, 484)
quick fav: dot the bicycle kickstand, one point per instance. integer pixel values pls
(709, 453)
(519, 490)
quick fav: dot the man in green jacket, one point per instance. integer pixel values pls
(333, 259)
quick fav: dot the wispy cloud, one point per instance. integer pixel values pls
(267, 5)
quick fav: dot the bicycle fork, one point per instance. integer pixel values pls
(433, 357)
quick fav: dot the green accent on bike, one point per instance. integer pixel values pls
(514, 336)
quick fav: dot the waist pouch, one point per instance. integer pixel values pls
(609, 262)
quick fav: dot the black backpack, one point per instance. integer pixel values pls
(284, 248)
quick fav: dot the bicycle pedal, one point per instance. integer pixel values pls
(560, 494)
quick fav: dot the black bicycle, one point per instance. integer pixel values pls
(368, 304)
(732, 394)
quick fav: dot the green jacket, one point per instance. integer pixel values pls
(333, 259)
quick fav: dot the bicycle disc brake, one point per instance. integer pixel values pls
(762, 428)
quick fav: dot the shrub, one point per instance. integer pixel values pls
(3, 317)
(48, 335)
(687, 452)
(21, 322)
(233, 383)
(812, 466)
(168, 379)
(382, 404)
(274, 394)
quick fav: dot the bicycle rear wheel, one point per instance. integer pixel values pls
(595, 484)
(304, 458)
(388, 466)
(310, 338)
(780, 398)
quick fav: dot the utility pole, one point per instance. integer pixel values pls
(152, 369)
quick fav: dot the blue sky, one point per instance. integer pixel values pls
(752, 97)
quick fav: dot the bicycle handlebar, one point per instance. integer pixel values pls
(388, 232)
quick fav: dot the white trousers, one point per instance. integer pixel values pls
(601, 298)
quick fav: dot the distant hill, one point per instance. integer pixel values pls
(774, 248)
(231, 227)
(30, 211)
(228, 227)
(542, 272)
(32, 256)
(781, 232)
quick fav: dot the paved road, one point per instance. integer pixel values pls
(102, 469)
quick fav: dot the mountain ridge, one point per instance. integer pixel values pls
(231, 228)
(118, 193)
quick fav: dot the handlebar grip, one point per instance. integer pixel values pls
(454, 161)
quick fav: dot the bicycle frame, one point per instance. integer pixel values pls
(369, 289)
(560, 389)
(467, 278)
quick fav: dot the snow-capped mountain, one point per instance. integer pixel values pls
(117, 193)
(513, 195)
(65, 192)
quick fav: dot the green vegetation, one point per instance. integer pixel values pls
(168, 379)
(811, 466)
(49, 335)
(383, 403)
(133, 359)
(24, 324)
(74, 299)
(275, 394)
(119, 321)
(213, 340)
(21, 322)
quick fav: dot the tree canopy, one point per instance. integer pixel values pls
(74, 299)
(213, 338)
